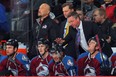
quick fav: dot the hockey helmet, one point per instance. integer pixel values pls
(12, 42)
(57, 48)
(43, 41)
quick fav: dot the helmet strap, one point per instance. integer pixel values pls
(12, 55)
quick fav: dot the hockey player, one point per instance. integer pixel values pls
(61, 65)
(14, 63)
(39, 64)
(113, 62)
(89, 62)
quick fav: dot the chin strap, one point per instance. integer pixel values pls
(12, 55)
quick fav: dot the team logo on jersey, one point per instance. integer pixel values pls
(70, 63)
(24, 58)
(42, 70)
(58, 74)
(14, 71)
(44, 26)
(89, 71)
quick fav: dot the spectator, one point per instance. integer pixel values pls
(80, 12)
(110, 7)
(88, 8)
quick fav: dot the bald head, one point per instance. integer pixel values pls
(44, 10)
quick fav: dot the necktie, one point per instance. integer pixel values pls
(66, 29)
(78, 37)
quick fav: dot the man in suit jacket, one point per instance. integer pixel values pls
(64, 29)
(66, 8)
(87, 30)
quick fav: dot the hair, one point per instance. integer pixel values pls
(78, 8)
(101, 11)
(68, 4)
(74, 14)
(94, 39)
(43, 41)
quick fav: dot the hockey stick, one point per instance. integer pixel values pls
(98, 41)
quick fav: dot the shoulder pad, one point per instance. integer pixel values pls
(68, 62)
(100, 57)
(83, 55)
(2, 58)
(22, 58)
(51, 61)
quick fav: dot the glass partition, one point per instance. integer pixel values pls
(20, 17)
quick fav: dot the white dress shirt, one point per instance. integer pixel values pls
(83, 42)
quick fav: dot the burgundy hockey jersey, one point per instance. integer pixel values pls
(89, 66)
(39, 66)
(19, 66)
(113, 60)
(66, 67)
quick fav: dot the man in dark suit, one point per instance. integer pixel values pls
(87, 30)
(66, 8)
(64, 29)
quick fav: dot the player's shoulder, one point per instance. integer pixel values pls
(51, 62)
(34, 58)
(114, 54)
(68, 61)
(101, 56)
(22, 58)
(2, 58)
(83, 55)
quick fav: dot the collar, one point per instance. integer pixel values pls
(80, 26)
(38, 19)
(66, 23)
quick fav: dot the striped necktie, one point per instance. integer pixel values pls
(66, 29)
(78, 38)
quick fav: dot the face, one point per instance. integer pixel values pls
(41, 48)
(80, 13)
(43, 10)
(97, 17)
(10, 49)
(66, 11)
(56, 57)
(92, 46)
(74, 22)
